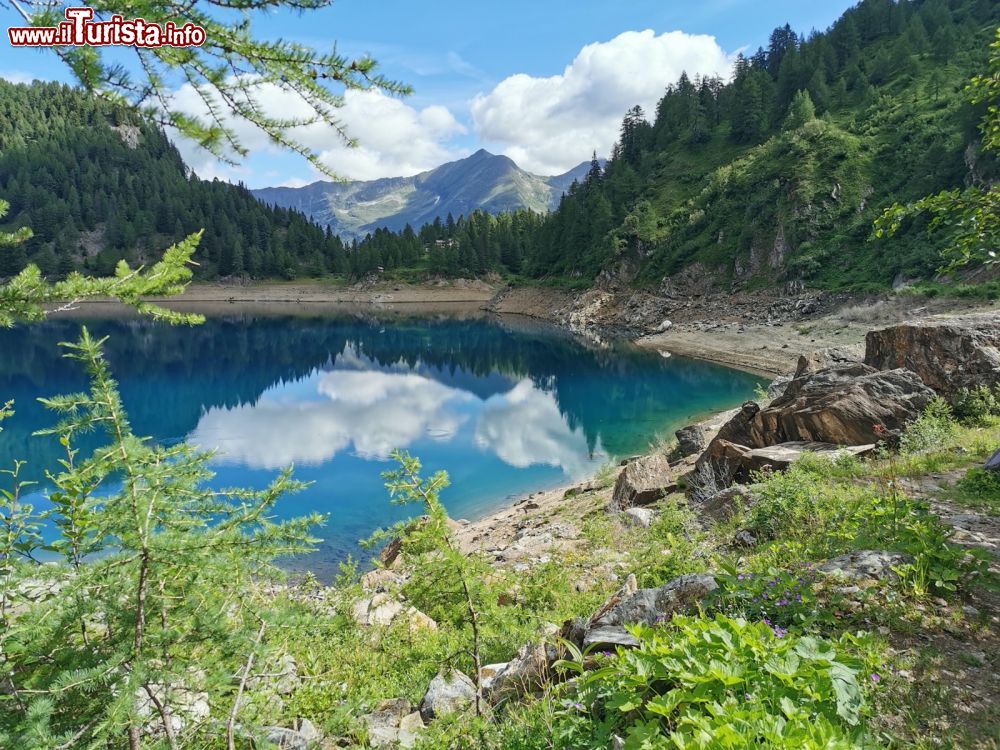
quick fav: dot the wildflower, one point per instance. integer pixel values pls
(875, 677)
(782, 602)
(740, 577)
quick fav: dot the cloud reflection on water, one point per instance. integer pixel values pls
(370, 411)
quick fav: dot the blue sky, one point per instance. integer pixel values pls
(544, 82)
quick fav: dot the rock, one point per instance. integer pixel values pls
(410, 727)
(625, 591)
(778, 386)
(287, 675)
(380, 579)
(650, 606)
(527, 672)
(831, 356)
(666, 325)
(488, 675)
(384, 722)
(608, 638)
(690, 440)
(864, 565)
(286, 739)
(946, 356)
(993, 462)
(447, 694)
(642, 517)
(723, 505)
(390, 552)
(187, 706)
(418, 620)
(744, 538)
(380, 609)
(842, 405)
(643, 482)
(780, 457)
(308, 730)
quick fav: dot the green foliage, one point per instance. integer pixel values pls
(720, 683)
(969, 217)
(800, 111)
(982, 485)
(782, 599)
(103, 201)
(976, 406)
(930, 430)
(232, 73)
(150, 599)
(938, 565)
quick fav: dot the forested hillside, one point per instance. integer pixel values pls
(97, 184)
(776, 175)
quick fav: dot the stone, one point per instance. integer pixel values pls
(447, 694)
(287, 675)
(778, 386)
(841, 404)
(864, 565)
(380, 609)
(410, 727)
(527, 672)
(651, 606)
(828, 357)
(187, 706)
(419, 621)
(626, 590)
(379, 580)
(643, 482)
(780, 457)
(744, 538)
(383, 723)
(947, 356)
(608, 638)
(993, 462)
(488, 674)
(641, 517)
(723, 505)
(286, 739)
(308, 730)
(690, 440)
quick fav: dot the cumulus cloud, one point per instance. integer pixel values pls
(396, 139)
(549, 125)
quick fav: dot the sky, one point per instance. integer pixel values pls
(546, 83)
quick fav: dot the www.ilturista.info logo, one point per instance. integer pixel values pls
(79, 29)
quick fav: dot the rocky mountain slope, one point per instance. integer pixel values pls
(483, 180)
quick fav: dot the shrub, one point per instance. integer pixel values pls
(976, 406)
(932, 428)
(981, 484)
(720, 682)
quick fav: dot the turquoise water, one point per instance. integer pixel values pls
(505, 409)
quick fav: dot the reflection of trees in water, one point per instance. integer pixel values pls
(169, 375)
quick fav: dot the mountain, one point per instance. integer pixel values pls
(481, 181)
(775, 177)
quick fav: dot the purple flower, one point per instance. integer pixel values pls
(779, 631)
(740, 577)
(782, 602)
(875, 677)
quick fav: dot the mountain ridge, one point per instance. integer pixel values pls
(491, 182)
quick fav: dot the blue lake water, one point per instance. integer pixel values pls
(506, 408)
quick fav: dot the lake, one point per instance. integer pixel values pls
(506, 407)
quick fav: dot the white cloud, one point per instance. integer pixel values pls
(395, 138)
(549, 125)
(17, 76)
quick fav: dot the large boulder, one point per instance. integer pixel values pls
(842, 405)
(651, 606)
(847, 404)
(643, 482)
(723, 505)
(993, 462)
(947, 356)
(447, 694)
